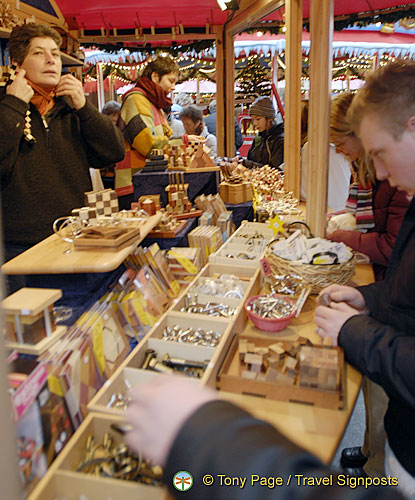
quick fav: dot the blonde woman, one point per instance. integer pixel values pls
(378, 208)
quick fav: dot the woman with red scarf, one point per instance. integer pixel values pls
(143, 121)
(49, 137)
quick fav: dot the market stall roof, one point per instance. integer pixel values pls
(124, 14)
(398, 42)
(348, 42)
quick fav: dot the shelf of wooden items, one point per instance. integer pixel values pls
(237, 246)
(130, 372)
(48, 257)
(317, 429)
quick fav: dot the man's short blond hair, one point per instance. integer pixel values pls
(389, 92)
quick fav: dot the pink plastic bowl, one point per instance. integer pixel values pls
(268, 324)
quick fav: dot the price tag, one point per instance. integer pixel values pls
(266, 268)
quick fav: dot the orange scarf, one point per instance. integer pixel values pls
(42, 98)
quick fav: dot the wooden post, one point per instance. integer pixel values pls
(249, 12)
(197, 89)
(100, 87)
(220, 96)
(229, 95)
(321, 34)
(293, 60)
(111, 87)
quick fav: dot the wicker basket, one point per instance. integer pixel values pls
(317, 275)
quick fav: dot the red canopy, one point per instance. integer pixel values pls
(96, 14)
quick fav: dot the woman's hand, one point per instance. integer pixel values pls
(20, 88)
(70, 86)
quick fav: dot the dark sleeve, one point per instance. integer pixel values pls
(382, 353)
(238, 135)
(371, 294)
(277, 153)
(104, 143)
(12, 119)
(221, 440)
(378, 245)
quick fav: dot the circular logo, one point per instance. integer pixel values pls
(182, 480)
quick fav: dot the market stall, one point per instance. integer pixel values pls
(228, 349)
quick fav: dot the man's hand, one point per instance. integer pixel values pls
(157, 412)
(70, 86)
(20, 88)
(348, 294)
(329, 320)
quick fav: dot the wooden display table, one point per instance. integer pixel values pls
(318, 430)
(48, 257)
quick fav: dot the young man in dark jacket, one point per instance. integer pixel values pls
(375, 324)
(44, 168)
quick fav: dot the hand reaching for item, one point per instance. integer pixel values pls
(70, 86)
(19, 87)
(157, 412)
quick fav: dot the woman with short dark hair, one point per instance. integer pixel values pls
(192, 118)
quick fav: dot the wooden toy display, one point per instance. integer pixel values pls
(110, 237)
(29, 325)
(154, 197)
(177, 192)
(168, 227)
(235, 193)
(207, 238)
(104, 202)
(234, 189)
(179, 204)
(193, 157)
(211, 203)
(289, 371)
(156, 161)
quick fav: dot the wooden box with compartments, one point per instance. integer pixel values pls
(69, 478)
(292, 371)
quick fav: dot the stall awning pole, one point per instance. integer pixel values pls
(293, 59)
(321, 34)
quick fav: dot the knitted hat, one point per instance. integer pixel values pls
(262, 107)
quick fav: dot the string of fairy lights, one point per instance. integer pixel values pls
(361, 63)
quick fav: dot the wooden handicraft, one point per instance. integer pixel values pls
(286, 371)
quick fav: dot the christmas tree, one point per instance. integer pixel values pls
(254, 79)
